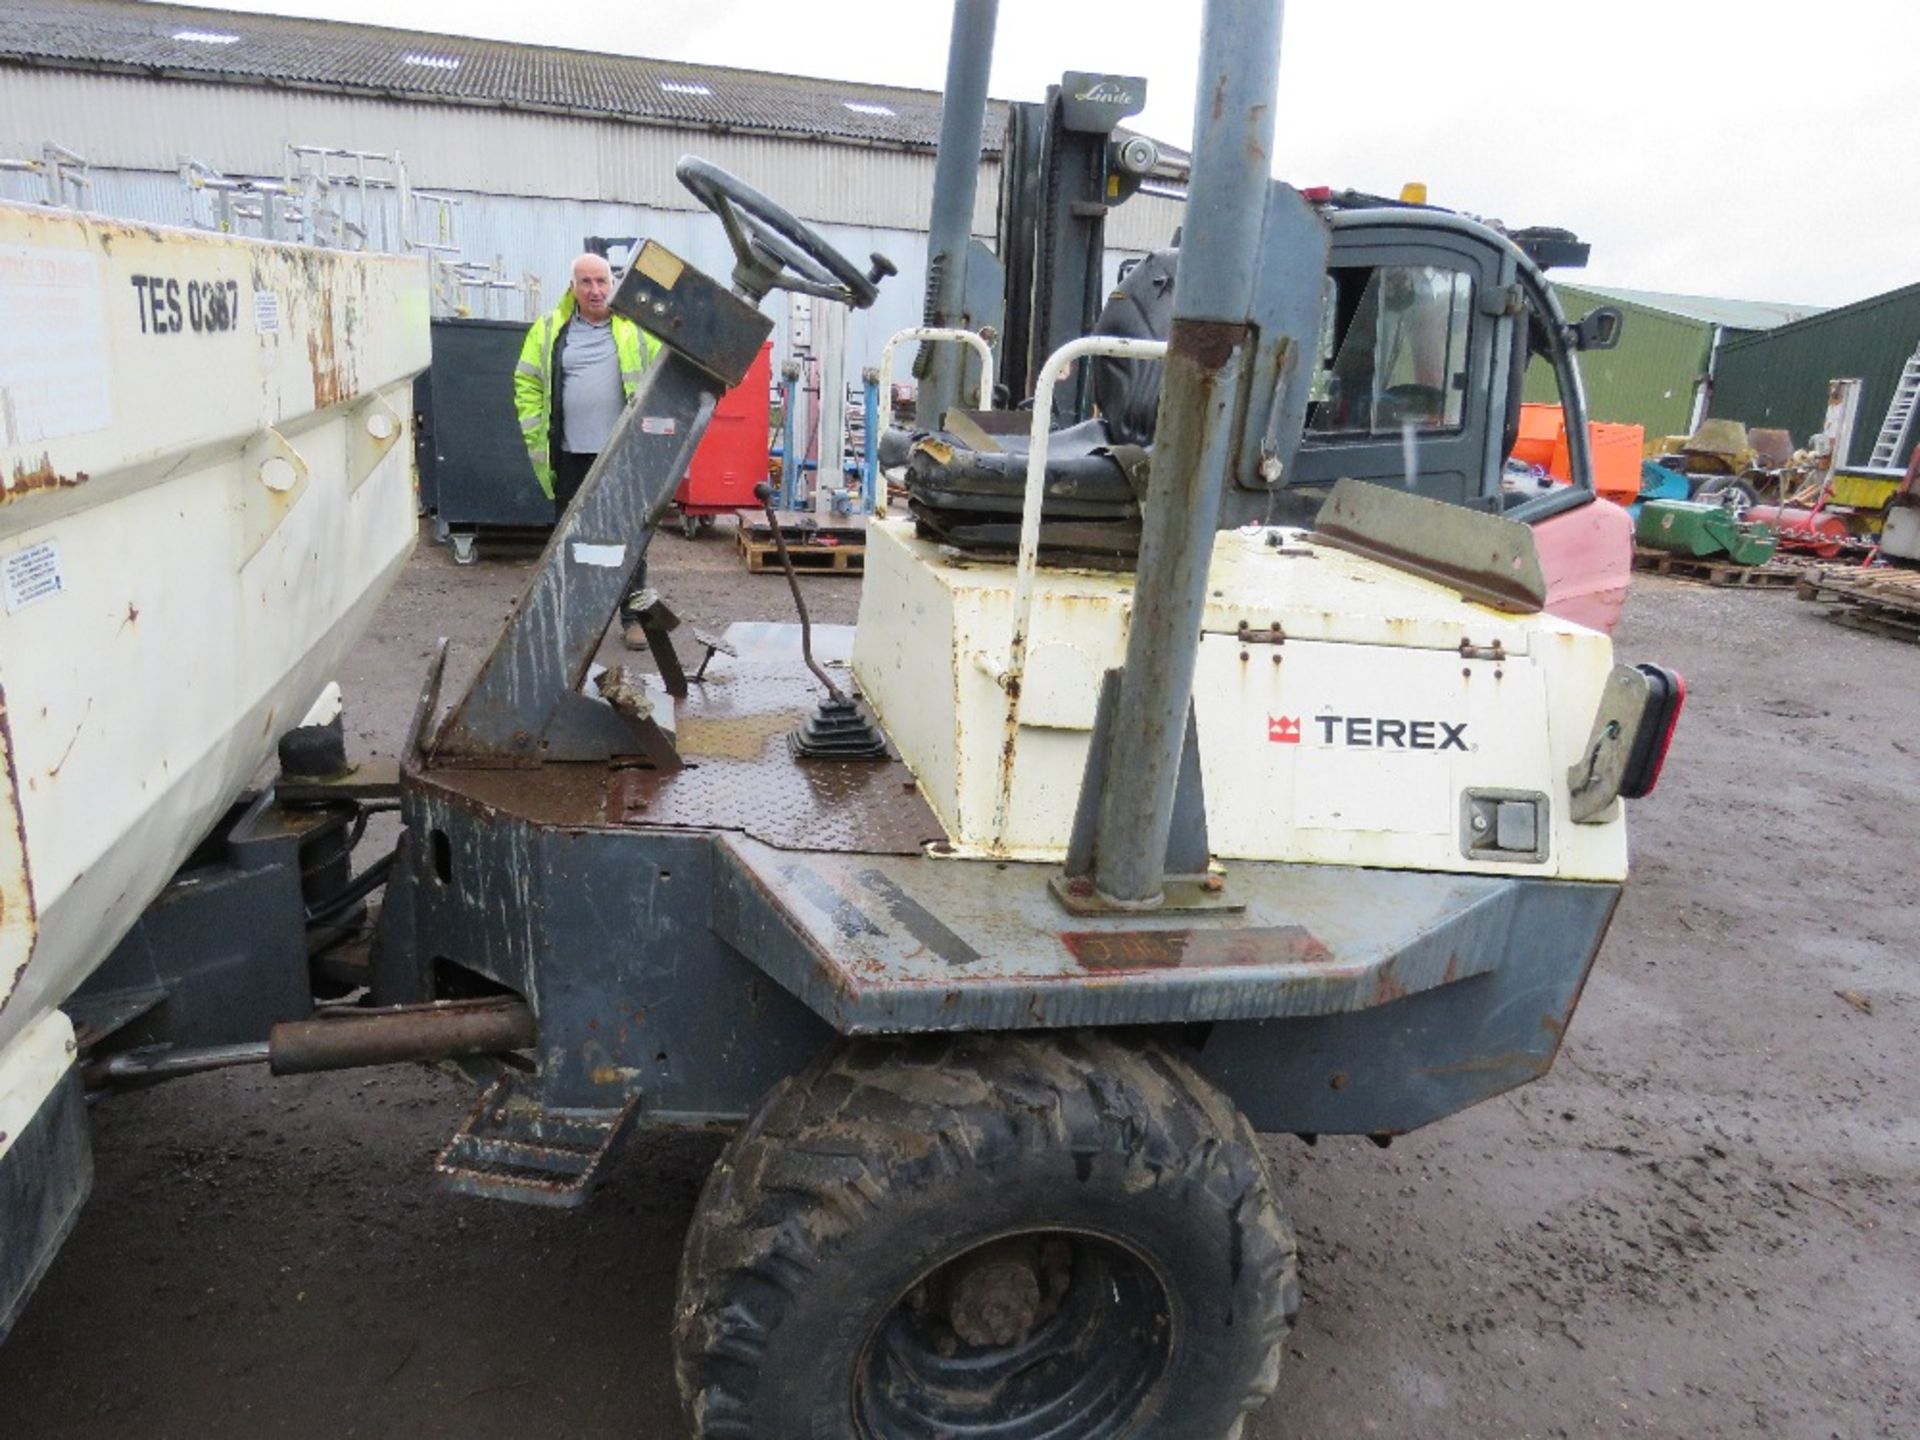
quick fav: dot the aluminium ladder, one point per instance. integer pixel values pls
(1899, 422)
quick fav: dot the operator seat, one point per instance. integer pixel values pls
(969, 496)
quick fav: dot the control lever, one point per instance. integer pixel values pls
(837, 730)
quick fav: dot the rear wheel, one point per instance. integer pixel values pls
(1003, 1237)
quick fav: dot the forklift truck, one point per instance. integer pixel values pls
(1001, 925)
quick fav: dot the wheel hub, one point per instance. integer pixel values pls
(1006, 1338)
(996, 1299)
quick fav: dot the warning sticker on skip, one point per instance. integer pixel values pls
(32, 575)
(657, 425)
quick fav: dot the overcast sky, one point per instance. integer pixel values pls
(1755, 151)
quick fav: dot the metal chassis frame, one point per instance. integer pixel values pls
(693, 970)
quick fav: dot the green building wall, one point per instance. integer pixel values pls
(1647, 379)
(1778, 378)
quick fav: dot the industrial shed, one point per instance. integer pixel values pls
(1779, 379)
(537, 147)
(1668, 347)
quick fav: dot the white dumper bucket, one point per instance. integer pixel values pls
(205, 491)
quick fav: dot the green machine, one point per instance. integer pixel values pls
(1688, 527)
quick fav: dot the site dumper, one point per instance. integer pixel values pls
(1007, 921)
(1000, 925)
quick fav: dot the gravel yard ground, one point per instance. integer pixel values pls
(1700, 1224)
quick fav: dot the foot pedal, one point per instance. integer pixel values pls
(511, 1148)
(838, 731)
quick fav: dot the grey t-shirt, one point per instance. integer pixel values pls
(590, 393)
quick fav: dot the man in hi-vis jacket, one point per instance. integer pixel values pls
(578, 368)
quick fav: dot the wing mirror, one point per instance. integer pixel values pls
(1598, 329)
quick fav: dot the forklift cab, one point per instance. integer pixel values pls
(1427, 322)
(1430, 322)
(1417, 326)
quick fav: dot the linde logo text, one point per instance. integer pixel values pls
(1371, 732)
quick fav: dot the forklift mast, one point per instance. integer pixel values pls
(1063, 167)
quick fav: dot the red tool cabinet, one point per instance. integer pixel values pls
(732, 457)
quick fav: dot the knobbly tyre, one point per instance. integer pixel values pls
(1006, 921)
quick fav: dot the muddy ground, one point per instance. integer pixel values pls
(1700, 1225)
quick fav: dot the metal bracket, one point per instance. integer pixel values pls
(1593, 781)
(583, 728)
(1187, 883)
(373, 429)
(273, 476)
(377, 778)
(1501, 300)
(1487, 558)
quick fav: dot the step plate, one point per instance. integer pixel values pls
(509, 1148)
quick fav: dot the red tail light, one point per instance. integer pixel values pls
(1667, 693)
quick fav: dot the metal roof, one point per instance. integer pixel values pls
(1733, 314)
(131, 37)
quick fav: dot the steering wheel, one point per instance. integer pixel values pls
(775, 250)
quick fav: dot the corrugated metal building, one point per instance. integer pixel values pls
(539, 146)
(1779, 379)
(1670, 345)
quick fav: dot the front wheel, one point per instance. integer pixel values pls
(1003, 1237)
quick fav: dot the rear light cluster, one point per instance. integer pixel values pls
(1666, 694)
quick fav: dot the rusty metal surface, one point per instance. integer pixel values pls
(27, 480)
(510, 1148)
(377, 777)
(886, 945)
(739, 775)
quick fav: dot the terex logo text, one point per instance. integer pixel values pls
(1372, 732)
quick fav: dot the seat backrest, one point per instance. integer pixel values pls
(1128, 391)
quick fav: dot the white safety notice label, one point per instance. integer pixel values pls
(53, 346)
(32, 575)
(656, 425)
(266, 313)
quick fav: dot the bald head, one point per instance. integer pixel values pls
(592, 286)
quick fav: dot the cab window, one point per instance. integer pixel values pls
(1393, 351)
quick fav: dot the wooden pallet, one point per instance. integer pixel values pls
(1880, 601)
(1774, 575)
(763, 556)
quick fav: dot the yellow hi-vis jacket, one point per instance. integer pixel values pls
(536, 379)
